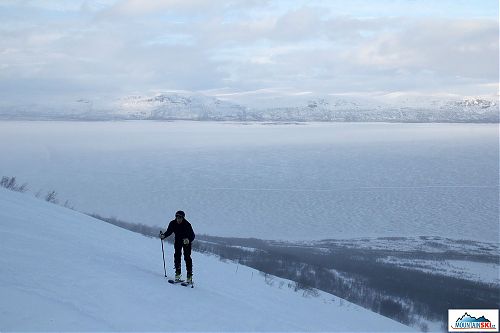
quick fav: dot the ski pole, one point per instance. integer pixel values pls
(163, 252)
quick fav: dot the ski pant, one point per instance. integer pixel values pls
(179, 248)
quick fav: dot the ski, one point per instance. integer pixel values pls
(182, 283)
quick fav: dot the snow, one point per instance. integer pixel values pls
(426, 244)
(468, 270)
(65, 271)
(482, 265)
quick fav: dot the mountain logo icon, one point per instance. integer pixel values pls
(469, 319)
(473, 322)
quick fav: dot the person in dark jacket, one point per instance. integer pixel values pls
(184, 236)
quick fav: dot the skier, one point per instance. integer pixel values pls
(184, 236)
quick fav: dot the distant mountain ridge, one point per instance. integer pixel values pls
(199, 107)
(176, 106)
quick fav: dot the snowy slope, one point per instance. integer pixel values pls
(64, 271)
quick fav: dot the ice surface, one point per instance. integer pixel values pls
(290, 182)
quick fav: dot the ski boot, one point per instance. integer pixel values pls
(189, 281)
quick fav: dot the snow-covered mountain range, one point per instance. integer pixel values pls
(65, 271)
(300, 108)
(178, 106)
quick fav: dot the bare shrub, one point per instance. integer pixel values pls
(10, 183)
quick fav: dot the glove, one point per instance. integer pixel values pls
(186, 241)
(162, 236)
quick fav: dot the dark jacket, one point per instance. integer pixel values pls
(181, 230)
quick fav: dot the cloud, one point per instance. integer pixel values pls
(92, 47)
(142, 7)
(185, 9)
(453, 48)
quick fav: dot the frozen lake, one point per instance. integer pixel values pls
(288, 182)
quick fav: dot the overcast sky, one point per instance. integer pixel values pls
(361, 47)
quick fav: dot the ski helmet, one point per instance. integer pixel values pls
(180, 213)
